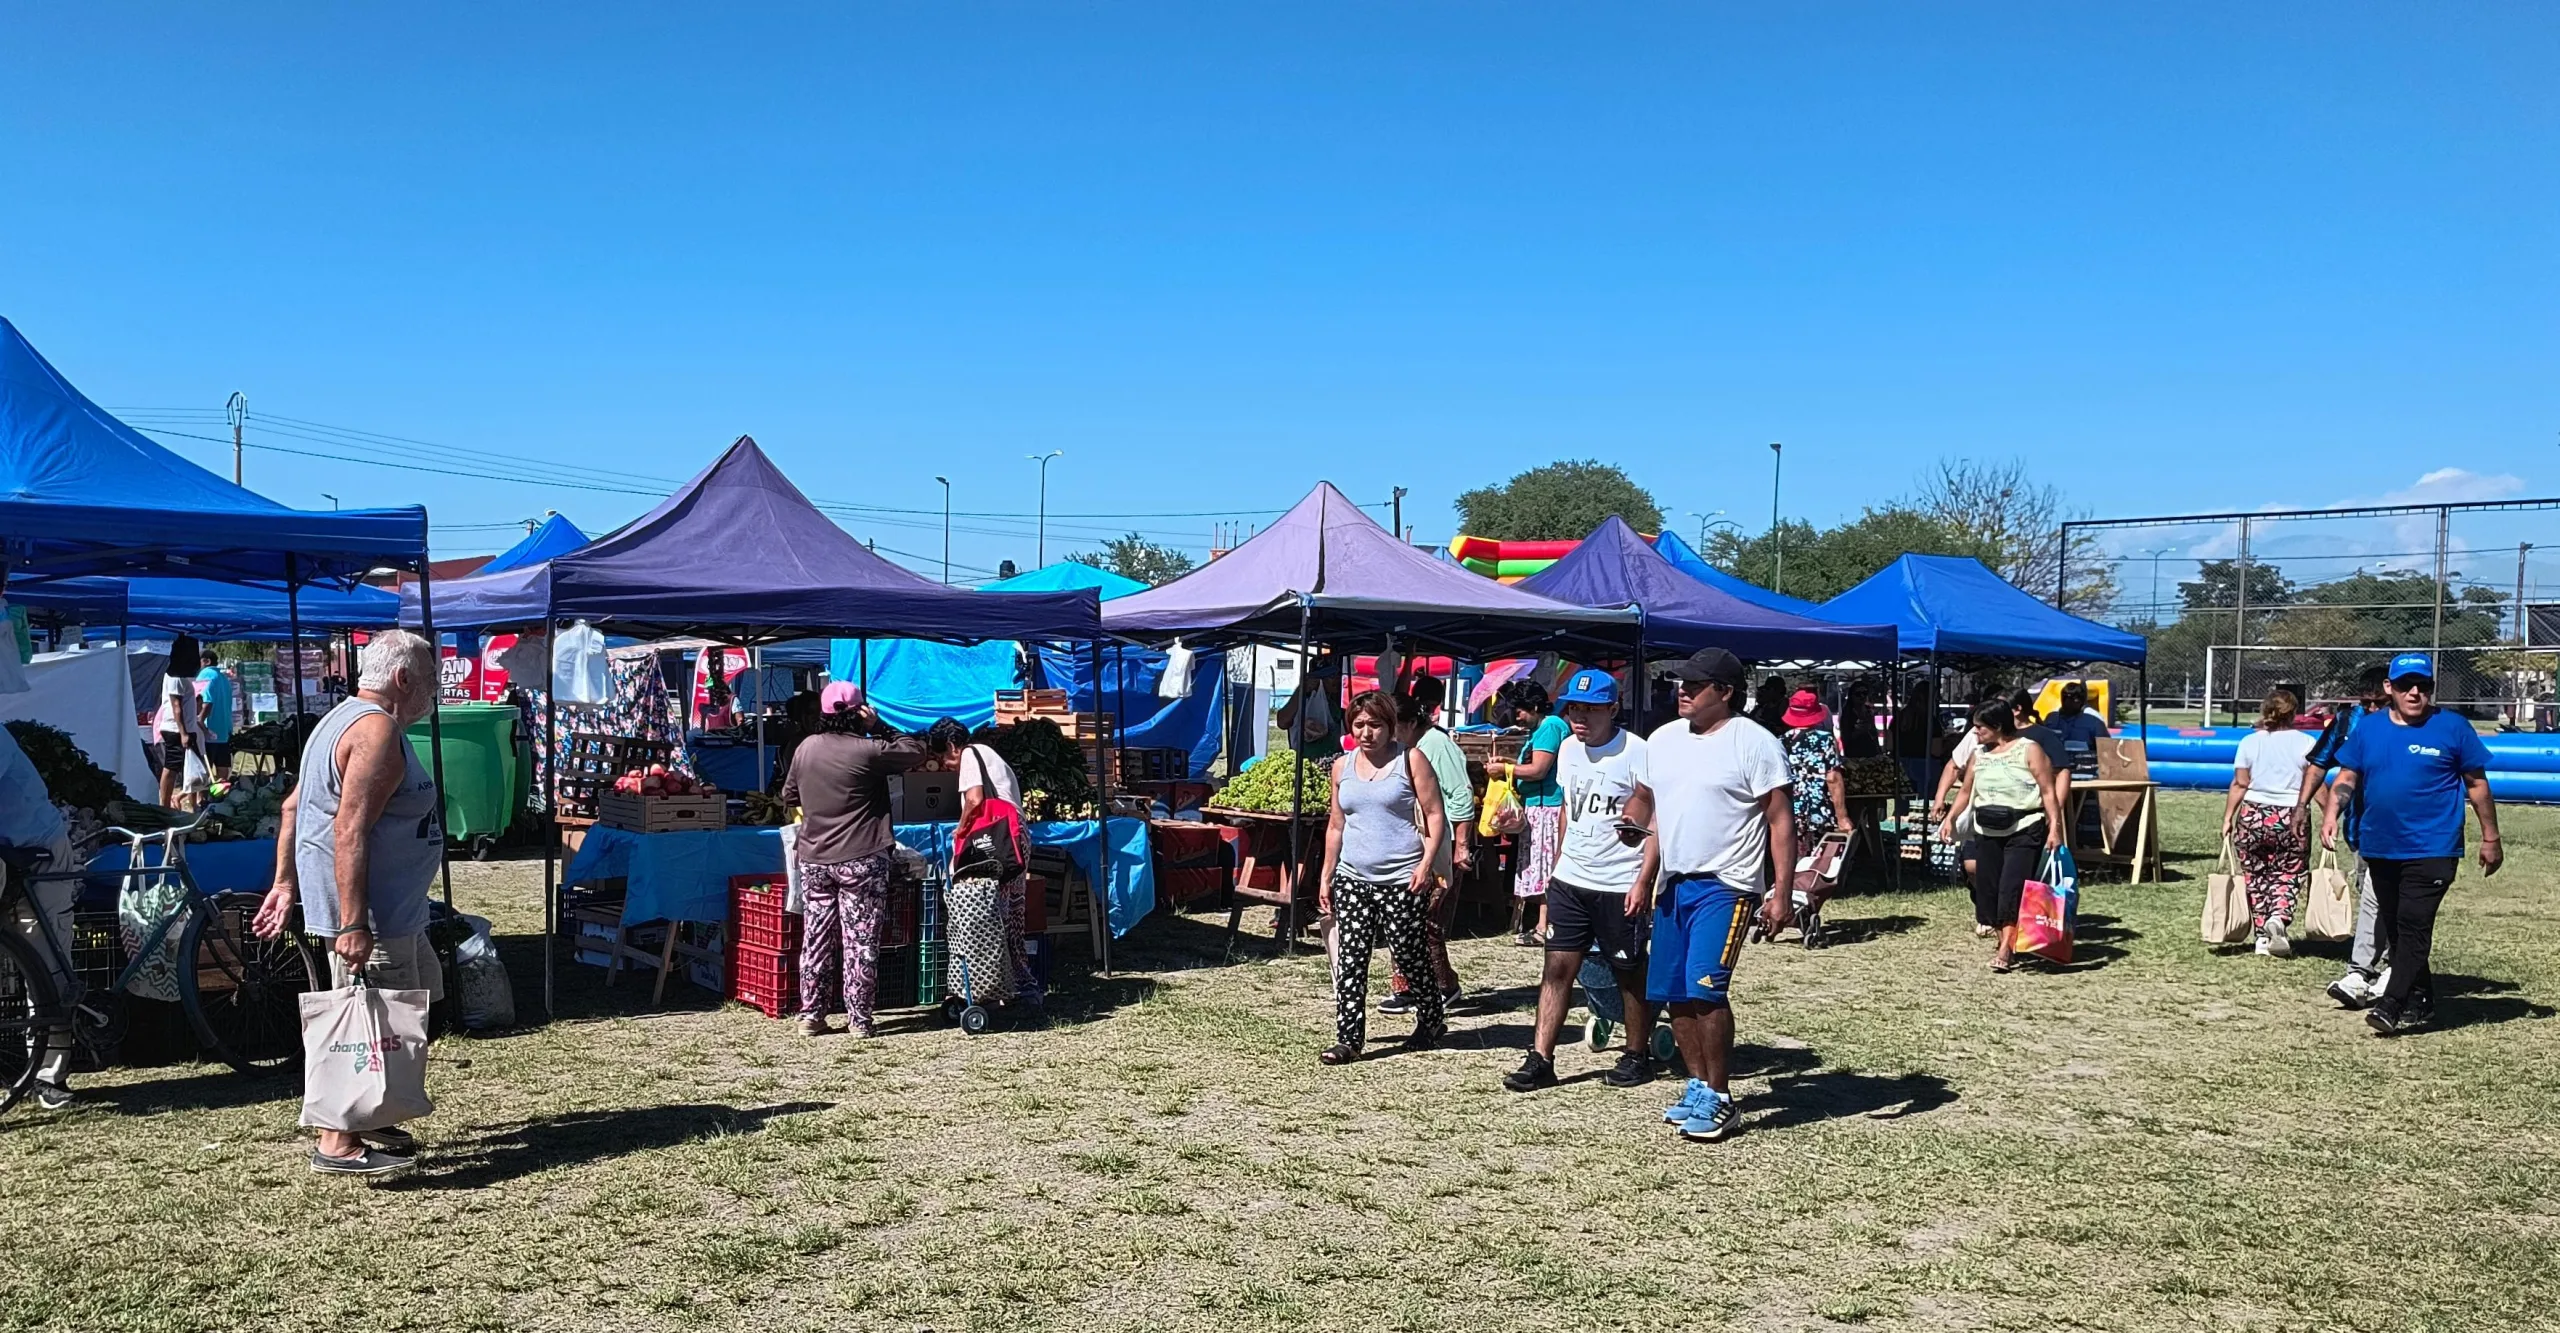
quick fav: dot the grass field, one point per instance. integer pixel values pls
(2162, 1138)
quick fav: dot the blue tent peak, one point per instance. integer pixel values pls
(1953, 605)
(1686, 559)
(556, 537)
(1068, 576)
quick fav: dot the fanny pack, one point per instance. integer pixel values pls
(1999, 821)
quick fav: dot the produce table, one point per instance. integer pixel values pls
(685, 876)
(1265, 841)
(247, 866)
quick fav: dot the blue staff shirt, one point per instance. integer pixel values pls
(2411, 779)
(2324, 756)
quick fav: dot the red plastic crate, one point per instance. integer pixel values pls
(765, 978)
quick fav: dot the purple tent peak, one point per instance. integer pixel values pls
(1328, 560)
(743, 493)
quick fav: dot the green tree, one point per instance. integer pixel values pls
(1558, 502)
(2013, 523)
(2217, 585)
(1134, 557)
(1823, 563)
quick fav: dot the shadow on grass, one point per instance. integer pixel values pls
(1804, 1099)
(506, 1152)
(1862, 930)
(198, 1088)
(2467, 1001)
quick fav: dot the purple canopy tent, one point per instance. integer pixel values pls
(738, 555)
(1615, 567)
(1327, 572)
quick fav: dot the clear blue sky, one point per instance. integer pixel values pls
(2178, 257)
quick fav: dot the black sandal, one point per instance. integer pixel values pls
(1339, 1054)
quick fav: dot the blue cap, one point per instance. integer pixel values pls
(2413, 664)
(1590, 687)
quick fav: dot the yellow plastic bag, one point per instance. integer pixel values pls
(1501, 813)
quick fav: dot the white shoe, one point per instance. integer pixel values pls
(2277, 941)
(2352, 991)
(2265, 949)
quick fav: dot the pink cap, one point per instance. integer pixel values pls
(841, 696)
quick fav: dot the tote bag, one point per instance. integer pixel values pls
(2329, 912)
(2044, 915)
(2226, 903)
(364, 1058)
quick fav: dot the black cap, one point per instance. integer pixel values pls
(1711, 664)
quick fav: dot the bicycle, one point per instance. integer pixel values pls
(241, 994)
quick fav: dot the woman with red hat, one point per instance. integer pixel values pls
(1813, 756)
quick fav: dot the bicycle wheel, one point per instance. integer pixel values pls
(243, 994)
(29, 1012)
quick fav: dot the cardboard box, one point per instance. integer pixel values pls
(924, 798)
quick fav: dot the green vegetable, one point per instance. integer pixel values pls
(1270, 786)
(70, 777)
(1056, 781)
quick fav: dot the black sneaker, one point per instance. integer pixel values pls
(2390, 1022)
(1632, 1070)
(1397, 1002)
(1536, 1071)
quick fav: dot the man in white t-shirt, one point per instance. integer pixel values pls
(1713, 790)
(1602, 886)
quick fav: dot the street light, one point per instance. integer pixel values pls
(1043, 461)
(2155, 580)
(946, 528)
(1777, 539)
(1702, 526)
(333, 500)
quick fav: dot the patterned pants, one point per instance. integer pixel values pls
(1367, 912)
(2274, 857)
(1013, 905)
(1541, 842)
(841, 910)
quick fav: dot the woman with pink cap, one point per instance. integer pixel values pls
(840, 780)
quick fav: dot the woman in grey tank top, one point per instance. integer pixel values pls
(1379, 845)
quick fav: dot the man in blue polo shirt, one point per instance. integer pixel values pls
(2413, 767)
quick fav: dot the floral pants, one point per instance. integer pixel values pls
(1541, 843)
(1365, 913)
(2274, 857)
(842, 906)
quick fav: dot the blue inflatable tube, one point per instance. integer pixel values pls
(2525, 766)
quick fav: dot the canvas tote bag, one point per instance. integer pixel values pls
(2329, 912)
(2226, 903)
(364, 1058)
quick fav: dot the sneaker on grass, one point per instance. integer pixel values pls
(366, 1163)
(2279, 942)
(1711, 1119)
(1632, 1070)
(2355, 990)
(1536, 1071)
(1397, 1002)
(1691, 1098)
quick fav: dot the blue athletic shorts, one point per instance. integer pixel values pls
(1698, 926)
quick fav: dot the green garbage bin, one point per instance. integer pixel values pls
(479, 768)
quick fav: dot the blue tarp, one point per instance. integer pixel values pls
(556, 537)
(1068, 576)
(1689, 562)
(1615, 567)
(84, 493)
(1129, 677)
(1953, 606)
(913, 682)
(205, 609)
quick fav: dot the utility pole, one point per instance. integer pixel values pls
(1777, 540)
(2240, 623)
(1396, 503)
(2444, 530)
(238, 410)
(2521, 633)
(946, 528)
(1043, 461)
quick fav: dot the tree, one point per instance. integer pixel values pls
(1558, 502)
(1822, 564)
(2217, 584)
(2014, 525)
(1134, 557)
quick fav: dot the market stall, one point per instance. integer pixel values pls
(1326, 572)
(739, 556)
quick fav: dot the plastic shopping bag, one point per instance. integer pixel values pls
(1502, 812)
(2043, 926)
(199, 778)
(791, 867)
(486, 995)
(2226, 904)
(364, 1058)
(2331, 912)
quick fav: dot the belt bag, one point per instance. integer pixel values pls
(1998, 821)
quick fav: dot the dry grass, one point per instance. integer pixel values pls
(2162, 1139)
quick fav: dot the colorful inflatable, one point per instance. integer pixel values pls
(1510, 560)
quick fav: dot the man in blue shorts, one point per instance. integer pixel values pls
(1713, 789)
(2413, 767)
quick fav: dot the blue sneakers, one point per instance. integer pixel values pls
(1710, 1120)
(1679, 1112)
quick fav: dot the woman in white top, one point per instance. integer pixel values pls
(979, 772)
(2261, 822)
(178, 725)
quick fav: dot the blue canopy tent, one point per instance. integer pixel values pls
(1949, 606)
(738, 555)
(253, 612)
(1686, 559)
(556, 536)
(1068, 576)
(1615, 567)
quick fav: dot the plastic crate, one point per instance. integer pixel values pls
(755, 908)
(766, 979)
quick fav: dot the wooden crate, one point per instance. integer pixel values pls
(701, 813)
(1013, 704)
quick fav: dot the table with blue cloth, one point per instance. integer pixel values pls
(685, 876)
(245, 866)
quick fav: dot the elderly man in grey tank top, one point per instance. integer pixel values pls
(362, 839)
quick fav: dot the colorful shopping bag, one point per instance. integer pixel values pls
(2044, 927)
(364, 1057)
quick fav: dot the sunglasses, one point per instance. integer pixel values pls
(2414, 685)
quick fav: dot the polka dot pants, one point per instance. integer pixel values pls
(1368, 914)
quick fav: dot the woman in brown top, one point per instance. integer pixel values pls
(840, 780)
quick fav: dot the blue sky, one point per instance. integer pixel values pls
(2177, 257)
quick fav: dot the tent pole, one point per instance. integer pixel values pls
(435, 715)
(755, 668)
(551, 815)
(865, 682)
(2142, 687)
(293, 637)
(1102, 761)
(1297, 785)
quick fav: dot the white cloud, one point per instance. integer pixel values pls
(2453, 485)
